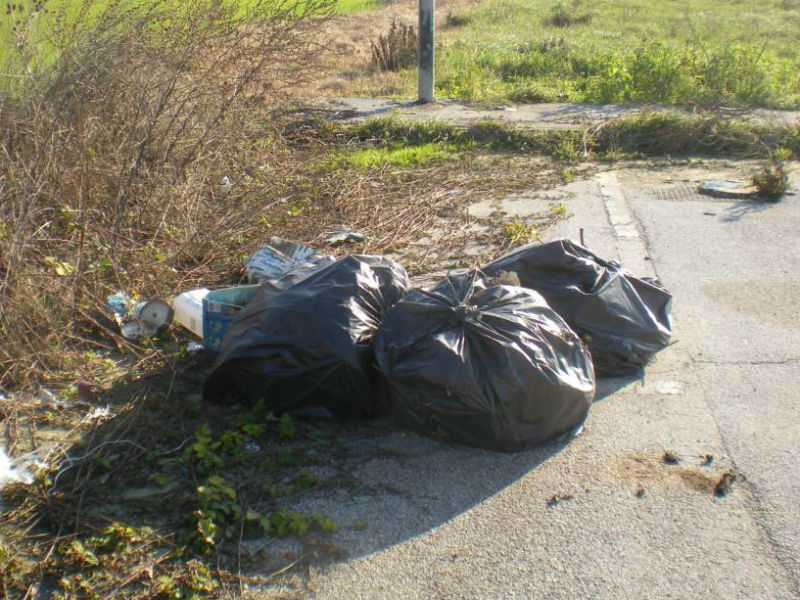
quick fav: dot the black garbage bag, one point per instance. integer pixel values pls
(623, 319)
(309, 345)
(493, 367)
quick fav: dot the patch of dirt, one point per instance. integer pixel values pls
(654, 469)
(557, 499)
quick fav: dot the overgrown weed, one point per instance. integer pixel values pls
(567, 14)
(395, 50)
(648, 134)
(111, 150)
(773, 180)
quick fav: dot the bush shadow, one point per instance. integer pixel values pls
(380, 484)
(739, 210)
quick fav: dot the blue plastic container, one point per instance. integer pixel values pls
(219, 308)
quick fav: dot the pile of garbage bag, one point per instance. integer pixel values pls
(309, 346)
(486, 365)
(502, 358)
(623, 319)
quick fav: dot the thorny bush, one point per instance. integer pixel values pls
(114, 135)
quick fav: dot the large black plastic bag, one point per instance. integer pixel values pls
(624, 320)
(493, 367)
(309, 346)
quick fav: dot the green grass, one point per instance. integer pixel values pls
(693, 51)
(354, 6)
(648, 134)
(370, 158)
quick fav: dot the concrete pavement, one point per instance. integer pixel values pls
(540, 116)
(601, 515)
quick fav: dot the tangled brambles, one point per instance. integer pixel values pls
(114, 133)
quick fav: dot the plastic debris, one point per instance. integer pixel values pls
(219, 309)
(48, 397)
(342, 234)
(491, 366)
(139, 319)
(278, 258)
(225, 186)
(309, 346)
(623, 319)
(728, 189)
(188, 309)
(121, 304)
(97, 415)
(13, 470)
(153, 317)
(193, 347)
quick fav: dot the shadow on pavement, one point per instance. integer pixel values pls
(741, 209)
(381, 485)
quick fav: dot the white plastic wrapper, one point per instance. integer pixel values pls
(278, 258)
(13, 470)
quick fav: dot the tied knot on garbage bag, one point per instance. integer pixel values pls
(467, 312)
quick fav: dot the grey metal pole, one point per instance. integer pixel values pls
(427, 21)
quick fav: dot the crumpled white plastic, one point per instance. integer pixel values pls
(14, 470)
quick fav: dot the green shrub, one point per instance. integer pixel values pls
(659, 73)
(773, 180)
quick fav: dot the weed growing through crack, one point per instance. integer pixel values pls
(519, 232)
(773, 180)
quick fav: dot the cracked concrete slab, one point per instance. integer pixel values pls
(541, 116)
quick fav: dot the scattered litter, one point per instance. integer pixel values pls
(728, 189)
(639, 493)
(3, 397)
(152, 317)
(342, 234)
(225, 186)
(669, 458)
(139, 319)
(86, 391)
(278, 258)
(48, 397)
(623, 319)
(97, 415)
(193, 347)
(13, 470)
(556, 499)
(725, 483)
(708, 213)
(487, 366)
(309, 346)
(707, 460)
(252, 446)
(121, 304)
(219, 309)
(188, 309)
